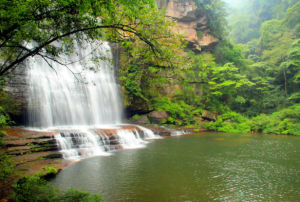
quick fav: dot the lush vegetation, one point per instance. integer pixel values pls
(258, 76)
(251, 73)
(48, 28)
(285, 121)
(35, 188)
(250, 78)
(30, 28)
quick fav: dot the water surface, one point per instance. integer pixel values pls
(203, 167)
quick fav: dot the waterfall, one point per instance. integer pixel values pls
(77, 94)
(79, 98)
(81, 143)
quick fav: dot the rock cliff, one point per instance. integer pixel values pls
(192, 23)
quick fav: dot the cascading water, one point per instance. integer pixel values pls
(78, 144)
(78, 98)
(61, 97)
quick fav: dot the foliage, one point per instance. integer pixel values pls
(227, 52)
(50, 170)
(6, 167)
(4, 117)
(246, 20)
(3, 124)
(35, 188)
(30, 28)
(136, 116)
(273, 56)
(80, 196)
(180, 112)
(220, 85)
(216, 15)
(142, 75)
(285, 121)
(293, 15)
(231, 122)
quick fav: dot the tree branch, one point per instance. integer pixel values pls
(126, 28)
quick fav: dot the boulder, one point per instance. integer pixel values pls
(141, 120)
(208, 115)
(158, 117)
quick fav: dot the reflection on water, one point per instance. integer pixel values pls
(205, 167)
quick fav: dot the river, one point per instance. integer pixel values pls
(201, 167)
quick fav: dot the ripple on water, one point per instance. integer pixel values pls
(195, 168)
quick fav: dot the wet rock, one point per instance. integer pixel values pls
(159, 130)
(158, 117)
(54, 156)
(208, 115)
(141, 120)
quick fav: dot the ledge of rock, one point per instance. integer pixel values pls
(158, 117)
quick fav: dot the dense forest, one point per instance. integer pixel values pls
(251, 75)
(247, 81)
(250, 78)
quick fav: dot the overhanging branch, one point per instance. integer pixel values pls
(125, 28)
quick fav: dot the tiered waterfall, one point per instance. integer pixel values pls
(79, 98)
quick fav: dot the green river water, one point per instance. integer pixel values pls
(203, 167)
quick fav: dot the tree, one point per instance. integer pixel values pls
(293, 16)
(216, 15)
(246, 20)
(31, 27)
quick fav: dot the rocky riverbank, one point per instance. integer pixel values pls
(32, 151)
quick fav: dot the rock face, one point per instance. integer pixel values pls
(211, 116)
(158, 117)
(141, 120)
(17, 88)
(192, 23)
(16, 85)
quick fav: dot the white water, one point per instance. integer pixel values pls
(130, 139)
(77, 98)
(148, 133)
(59, 97)
(82, 143)
(79, 144)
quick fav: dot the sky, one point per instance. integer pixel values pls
(233, 3)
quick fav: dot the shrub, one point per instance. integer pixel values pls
(34, 189)
(231, 122)
(37, 189)
(285, 121)
(6, 167)
(73, 195)
(136, 116)
(180, 112)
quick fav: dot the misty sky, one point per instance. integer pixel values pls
(233, 3)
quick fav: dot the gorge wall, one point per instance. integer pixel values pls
(192, 23)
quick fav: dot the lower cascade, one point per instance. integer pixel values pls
(82, 143)
(81, 102)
